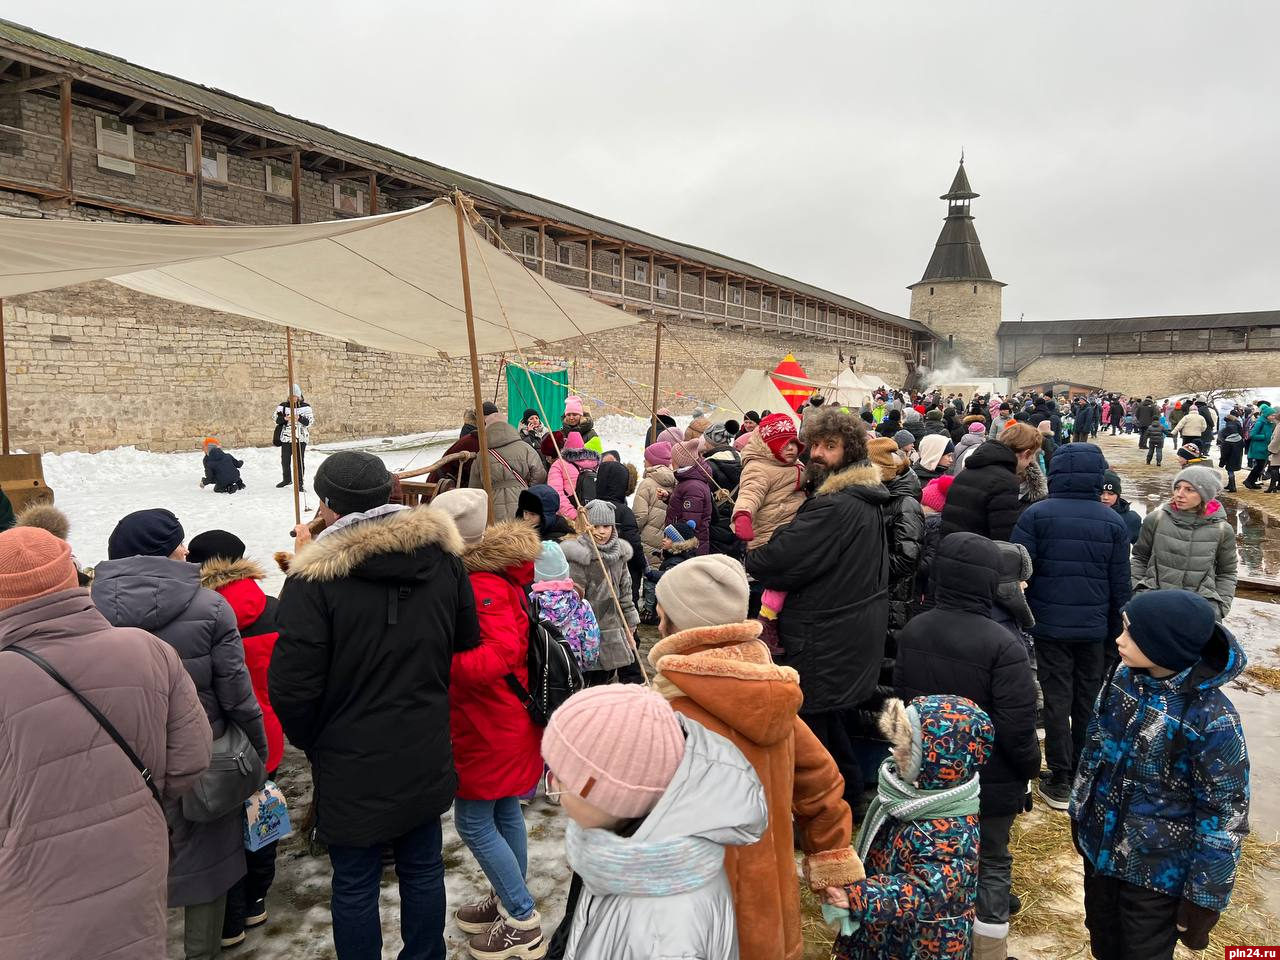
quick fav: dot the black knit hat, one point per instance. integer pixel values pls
(352, 482)
(530, 413)
(752, 416)
(1170, 627)
(147, 533)
(215, 543)
(1189, 451)
(489, 408)
(1111, 482)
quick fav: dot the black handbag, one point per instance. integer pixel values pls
(103, 722)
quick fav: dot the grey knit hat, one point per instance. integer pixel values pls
(352, 482)
(1206, 480)
(904, 439)
(601, 513)
(705, 591)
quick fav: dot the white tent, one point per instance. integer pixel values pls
(846, 389)
(391, 282)
(755, 390)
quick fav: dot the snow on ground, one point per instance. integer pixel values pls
(96, 490)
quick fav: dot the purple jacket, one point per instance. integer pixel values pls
(691, 500)
(84, 854)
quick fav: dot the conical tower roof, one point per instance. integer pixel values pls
(958, 252)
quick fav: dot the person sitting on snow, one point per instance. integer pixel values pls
(220, 468)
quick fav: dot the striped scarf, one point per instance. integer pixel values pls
(904, 801)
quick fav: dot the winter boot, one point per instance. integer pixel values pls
(510, 939)
(478, 917)
(1274, 476)
(990, 948)
(769, 634)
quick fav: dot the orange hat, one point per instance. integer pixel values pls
(211, 441)
(33, 562)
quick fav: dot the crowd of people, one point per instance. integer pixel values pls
(864, 616)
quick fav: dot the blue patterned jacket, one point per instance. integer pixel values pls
(1161, 799)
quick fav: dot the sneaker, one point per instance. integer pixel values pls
(228, 942)
(1057, 794)
(257, 914)
(478, 917)
(510, 939)
(283, 483)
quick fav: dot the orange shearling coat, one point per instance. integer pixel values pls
(723, 678)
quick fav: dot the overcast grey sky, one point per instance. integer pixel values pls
(1126, 152)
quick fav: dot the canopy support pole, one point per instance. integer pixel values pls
(482, 430)
(657, 358)
(4, 389)
(293, 426)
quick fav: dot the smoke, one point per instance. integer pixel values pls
(956, 371)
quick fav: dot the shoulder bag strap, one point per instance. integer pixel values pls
(503, 460)
(103, 722)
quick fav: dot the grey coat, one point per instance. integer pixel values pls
(525, 460)
(715, 795)
(83, 848)
(616, 649)
(1177, 550)
(164, 597)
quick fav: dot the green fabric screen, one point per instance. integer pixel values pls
(550, 388)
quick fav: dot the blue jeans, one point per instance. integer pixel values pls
(494, 832)
(357, 927)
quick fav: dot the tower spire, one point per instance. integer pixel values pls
(958, 252)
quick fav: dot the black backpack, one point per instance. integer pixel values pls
(554, 675)
(585, 487)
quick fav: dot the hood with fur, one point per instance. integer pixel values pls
(727, 670)
(862, 478)
(512, 543)
(405, 545)
(217, 572)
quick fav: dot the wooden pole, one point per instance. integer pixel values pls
(64, 104)
(296, 183)
(482, 431)
(4, 389)
(657, 360)
(197, 168)
(293, 427)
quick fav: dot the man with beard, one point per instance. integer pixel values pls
(573, 421)
(833, 562)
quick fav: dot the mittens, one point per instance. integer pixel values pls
(742, 528)
(1194, 923)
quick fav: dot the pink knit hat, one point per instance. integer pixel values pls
(934, 495)
(616, 746)
(977, 428)
(33, 562)
(685, 453)
(573, 405)
(658, 454)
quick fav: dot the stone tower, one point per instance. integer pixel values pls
(956, 298)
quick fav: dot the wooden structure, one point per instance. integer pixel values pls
(22, 480)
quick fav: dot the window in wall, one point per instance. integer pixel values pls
(213, 163)
(616, 268)
(951, 338)
(1156, 341)
(1124, 343)
(661, 280)
(735, 295)
(348, 198)
(1091, 343)
(1264, 338)
(640, 273)
(784, 308)
(931, 291)
(1190, 341)
(766, 303)
(114, 137)
(279, 180)
(11, 116)
(564, 253)
(529, 243)
(1230, 338)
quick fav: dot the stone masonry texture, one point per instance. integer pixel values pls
(969, 311)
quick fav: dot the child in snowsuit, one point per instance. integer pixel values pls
(691, 499)
(653, 800)
(220, 468)
(1161, 800)
(610, 599)
(932, 499)
(919, 840)
(769, 494)
(1155, 440)
(556, 600)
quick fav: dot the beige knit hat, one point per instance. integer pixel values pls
(468, 507)
(33, 563)
(705, 591)
(616, 746)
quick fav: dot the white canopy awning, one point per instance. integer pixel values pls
(391, 282)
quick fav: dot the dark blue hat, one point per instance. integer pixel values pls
(147, 533)
(1170, 627)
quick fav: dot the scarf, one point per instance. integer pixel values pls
(611, 865)
(904, 801)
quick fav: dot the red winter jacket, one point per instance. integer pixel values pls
(497, 749)
(255, 614)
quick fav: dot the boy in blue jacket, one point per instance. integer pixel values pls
(1161, 802)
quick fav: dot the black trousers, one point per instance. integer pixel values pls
(1127, 922)
(832, 730)
(1256, 471)
(1070, 675)
(242, 899)
(286, 462)
(1157, 452)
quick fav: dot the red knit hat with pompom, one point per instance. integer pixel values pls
(777, 430)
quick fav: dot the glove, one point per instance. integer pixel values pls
(653, 574)
(742, 527)
(1194, 923)
(305, 421)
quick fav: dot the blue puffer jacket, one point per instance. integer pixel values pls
(1079, 552)
(1260, 434)
(1161, 799)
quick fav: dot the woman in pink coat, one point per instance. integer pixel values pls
(85, 855)
(562, 477)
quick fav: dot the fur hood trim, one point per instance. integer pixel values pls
(337, 555)
(728, 650)
(858, 475)
(504, 545)
(833, 868)
(219, 572)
